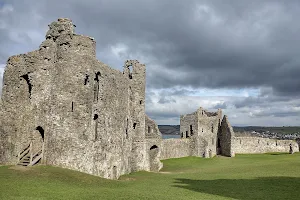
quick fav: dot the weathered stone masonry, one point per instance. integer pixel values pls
(89, 116)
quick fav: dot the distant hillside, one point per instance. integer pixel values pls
(284, 132)
(261, 129)
(169, 129)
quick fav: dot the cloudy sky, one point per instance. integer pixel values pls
(238, 55)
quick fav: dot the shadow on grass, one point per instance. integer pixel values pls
(277, 154)
(259, 188)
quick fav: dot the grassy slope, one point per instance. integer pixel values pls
(263, 176)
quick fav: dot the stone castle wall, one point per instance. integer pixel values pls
(225, 137)
(248, 145)
(90, 116)
(175, 148)
(151, 128)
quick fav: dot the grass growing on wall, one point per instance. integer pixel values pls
(264, 176)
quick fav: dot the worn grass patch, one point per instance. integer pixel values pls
(265, 176)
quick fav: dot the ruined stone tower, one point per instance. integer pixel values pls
(80, 113)
(208, 135)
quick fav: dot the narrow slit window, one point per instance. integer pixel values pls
(96, 86)
(86, 80)
(134, 125)
(96, 126)
(126, 131)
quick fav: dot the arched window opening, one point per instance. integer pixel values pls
(212, 128)
(154, 147)
(191, 130)
(149, 129)
(130, 71)
(26, 78)
(134, 125)
(41, 130)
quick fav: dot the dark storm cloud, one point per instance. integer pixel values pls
(263, 101)
(211, 43)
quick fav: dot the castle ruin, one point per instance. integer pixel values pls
(206, 134)
(61, 106)
(70, 110)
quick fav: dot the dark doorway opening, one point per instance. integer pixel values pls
(41, 130)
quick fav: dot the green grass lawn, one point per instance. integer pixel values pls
(265, 176)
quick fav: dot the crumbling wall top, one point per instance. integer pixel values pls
(59, 27)
(203, 112)
(131, 62)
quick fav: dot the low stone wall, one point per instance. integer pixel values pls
(250, 145)
(175, 148)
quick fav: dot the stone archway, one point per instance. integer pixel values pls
(38, 139)
(155, 164)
